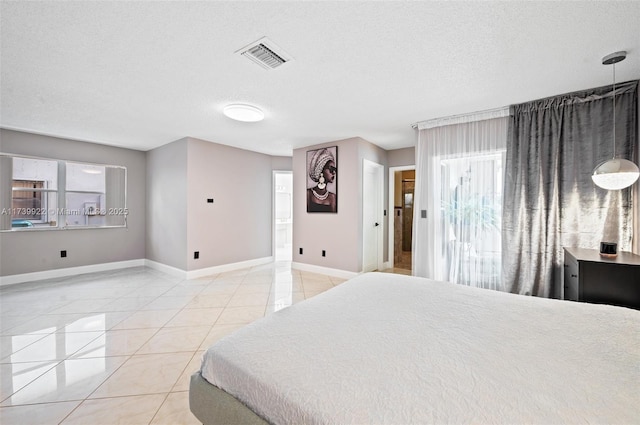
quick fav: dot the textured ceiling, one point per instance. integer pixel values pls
(143, 74)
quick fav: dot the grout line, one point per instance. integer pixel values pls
(72, 410)
(55, 363)
(105, 380)
(163, 402)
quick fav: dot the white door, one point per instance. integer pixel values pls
(283, 214)
(372, 207)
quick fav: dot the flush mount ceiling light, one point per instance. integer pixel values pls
(243, 112)
(616, 173)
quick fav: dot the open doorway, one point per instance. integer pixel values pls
(401, 191)
(283, 215)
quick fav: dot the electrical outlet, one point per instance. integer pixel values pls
(324, 253)
(63, 253)
(210, 200)
(196, 255)
(300, 251)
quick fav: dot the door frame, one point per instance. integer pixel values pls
(392, 209)
(379, 212)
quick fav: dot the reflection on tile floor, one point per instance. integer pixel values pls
(119, 347)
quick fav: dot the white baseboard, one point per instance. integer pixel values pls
(324, 270)
(208, 271)
(387, 265)
(69, 271)
(170, 270)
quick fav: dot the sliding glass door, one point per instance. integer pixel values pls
(470, 219)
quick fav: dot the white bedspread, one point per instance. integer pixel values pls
(390, 349)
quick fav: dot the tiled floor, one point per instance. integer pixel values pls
(403, 260)
(119, 347)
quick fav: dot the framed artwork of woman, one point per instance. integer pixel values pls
(322, 186)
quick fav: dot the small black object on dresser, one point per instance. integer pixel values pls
(589, 277)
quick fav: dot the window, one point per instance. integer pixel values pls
(40, 193)
(34, 193)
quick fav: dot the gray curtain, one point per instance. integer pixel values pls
(550, 201)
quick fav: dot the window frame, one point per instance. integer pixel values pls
(62, 211)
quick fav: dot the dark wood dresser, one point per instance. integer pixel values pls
(591, 278)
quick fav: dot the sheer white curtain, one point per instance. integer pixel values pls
(458, 199)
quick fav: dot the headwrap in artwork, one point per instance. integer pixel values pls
(318, 160)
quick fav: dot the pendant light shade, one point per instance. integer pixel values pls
(616, 173)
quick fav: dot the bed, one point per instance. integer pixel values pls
(393, 349)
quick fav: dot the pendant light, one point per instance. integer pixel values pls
(616, 173)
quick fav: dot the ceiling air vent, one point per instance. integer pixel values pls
(265, 53)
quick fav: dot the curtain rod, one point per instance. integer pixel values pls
(468, 117)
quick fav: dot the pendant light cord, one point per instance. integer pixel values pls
(614, 111)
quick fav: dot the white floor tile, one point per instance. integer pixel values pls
(145, 374)
(133, 410)
(176, 339)
(123, 342)
(69, 380)
(175, 410)
(119, 347)
(39, 414)
(195, 317)
(55, 346)
(15, 376)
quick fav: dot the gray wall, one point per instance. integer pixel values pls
(281, 163)
(402, 157)
(237, 226)
(166, 226)
(167, 190)
(35, 251)
(340, 234)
